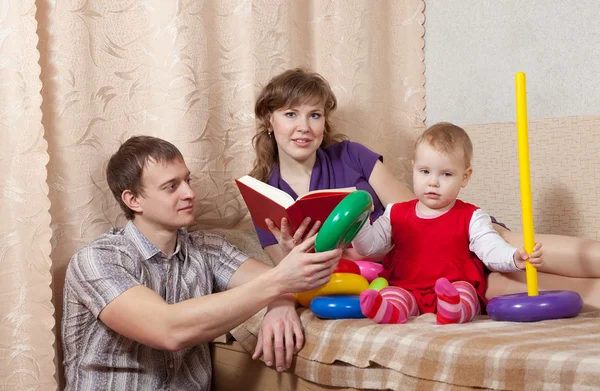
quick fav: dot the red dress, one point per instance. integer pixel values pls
(427, 249)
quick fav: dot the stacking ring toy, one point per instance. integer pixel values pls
(532, 306)
(337, 307)
(347, 266)
(339, 284)
(344, 222)
(378, 284)
(369, 270)
(520, 307)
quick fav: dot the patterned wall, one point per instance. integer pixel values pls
(565, 174)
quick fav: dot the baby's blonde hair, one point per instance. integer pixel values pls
(446, 137)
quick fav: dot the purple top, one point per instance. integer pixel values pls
(345, 164)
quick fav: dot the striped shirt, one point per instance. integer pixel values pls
(97, 358)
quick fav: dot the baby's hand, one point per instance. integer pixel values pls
(535, 258)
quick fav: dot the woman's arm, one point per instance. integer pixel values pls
(563, 255)
(389, 189)
(275, 253)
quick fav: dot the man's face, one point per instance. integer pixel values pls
(167, 201)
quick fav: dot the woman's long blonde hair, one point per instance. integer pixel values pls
(288, 89)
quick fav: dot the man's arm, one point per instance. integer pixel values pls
(248, 271)
(252, 269)
(142, 315)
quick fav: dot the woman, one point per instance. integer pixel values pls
(297, 150)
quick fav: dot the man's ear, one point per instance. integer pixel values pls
(131, 200)
(466, 177)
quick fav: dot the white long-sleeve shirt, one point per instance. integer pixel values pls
(484, 241)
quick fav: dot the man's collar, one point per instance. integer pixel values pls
(147, 248)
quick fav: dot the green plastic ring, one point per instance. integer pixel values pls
(344, 222)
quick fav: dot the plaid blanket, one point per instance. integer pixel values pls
(559, 354)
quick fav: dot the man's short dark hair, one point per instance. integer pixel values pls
(126, 166)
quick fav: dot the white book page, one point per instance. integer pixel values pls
(277, 195)
(325, 191)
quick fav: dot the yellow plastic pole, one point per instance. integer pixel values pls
(527, 211)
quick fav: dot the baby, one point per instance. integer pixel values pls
(438, 243)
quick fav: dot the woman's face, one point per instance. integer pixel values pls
(299, 130)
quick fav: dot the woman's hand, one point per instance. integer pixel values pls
(287, 240)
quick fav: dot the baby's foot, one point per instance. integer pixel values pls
(444, 288)
(448, 305)
(379, 309)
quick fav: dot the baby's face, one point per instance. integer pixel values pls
(438, 176)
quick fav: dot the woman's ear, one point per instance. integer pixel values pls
(131, 200)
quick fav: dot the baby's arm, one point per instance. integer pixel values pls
(489, 246)
(372, 239)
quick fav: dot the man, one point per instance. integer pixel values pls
(139, 308)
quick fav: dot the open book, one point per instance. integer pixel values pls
(265, 201)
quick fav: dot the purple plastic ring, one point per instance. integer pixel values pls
(520, 307)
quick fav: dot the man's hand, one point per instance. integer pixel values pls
(535, 258)
(280, 335)
(303, 270)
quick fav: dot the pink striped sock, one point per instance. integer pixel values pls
(402, 298)
(391, 305)
(457, 302)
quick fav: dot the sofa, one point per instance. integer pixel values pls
(420, 355)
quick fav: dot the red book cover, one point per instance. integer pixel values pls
(265, 201)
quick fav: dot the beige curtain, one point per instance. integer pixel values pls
(26, 323)
(187, 71)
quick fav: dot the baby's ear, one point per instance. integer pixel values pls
(467, 176)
